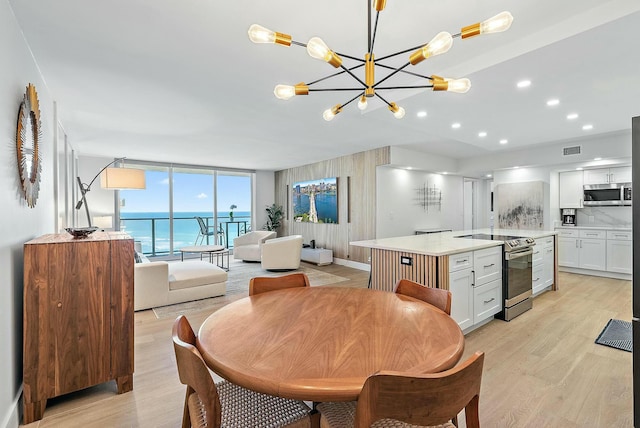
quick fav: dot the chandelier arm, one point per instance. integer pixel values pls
(334, 75)
(401, 52)
(405, 87)
(392, 74)
(375, 30)
(369, 26)
(350, 57)
(386, 102)
(404, 71)
(334, 89)
(351, 100)
(354, 76)
(293, 42)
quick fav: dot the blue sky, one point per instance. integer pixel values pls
(192, 192)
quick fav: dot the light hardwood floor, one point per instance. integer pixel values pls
(542, 369)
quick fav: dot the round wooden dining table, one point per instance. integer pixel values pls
(321, 343)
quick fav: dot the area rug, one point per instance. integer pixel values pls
(238, 284)
(617, 334)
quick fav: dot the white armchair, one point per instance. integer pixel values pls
(247, 247)
(282, 253)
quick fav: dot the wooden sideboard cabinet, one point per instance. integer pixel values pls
(78, 316)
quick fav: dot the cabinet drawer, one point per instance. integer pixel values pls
(487, 300)
(538, 253)
(620, 236)
(537, 278)
(593, 234)
(460, 261)
(568, 233)
(487, 265)
(545, 242)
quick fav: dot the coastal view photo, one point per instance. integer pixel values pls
(316, 201)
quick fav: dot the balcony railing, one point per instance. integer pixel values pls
(153, 233)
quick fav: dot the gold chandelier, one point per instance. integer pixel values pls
(368, 88)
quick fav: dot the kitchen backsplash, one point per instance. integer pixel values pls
(604, 216)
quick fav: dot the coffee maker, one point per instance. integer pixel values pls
(568, 217)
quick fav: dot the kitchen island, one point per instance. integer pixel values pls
(425, 258)
(488, 271)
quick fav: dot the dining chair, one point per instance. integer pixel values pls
(262, 284)
(394, 399)
(224, 404)
(437, 297)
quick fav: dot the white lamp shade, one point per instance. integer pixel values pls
(122, 178)
(103, 221)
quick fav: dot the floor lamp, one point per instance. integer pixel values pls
(111, 178)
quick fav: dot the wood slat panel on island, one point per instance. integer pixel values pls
(78, 316)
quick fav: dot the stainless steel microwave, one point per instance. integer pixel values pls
(607, 194)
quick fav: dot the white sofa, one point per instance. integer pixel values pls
(282, 253)
(161, 283)
(247, 247)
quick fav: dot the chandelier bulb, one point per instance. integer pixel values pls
(460, 86)
(259, 34)
(496, 24)
(284, 92)
(398, 112)
(330, 113)
(440, 44)
(318, 49)
(362, 103)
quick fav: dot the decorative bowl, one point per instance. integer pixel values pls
(81, 232)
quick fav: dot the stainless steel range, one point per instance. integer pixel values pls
(516, 273)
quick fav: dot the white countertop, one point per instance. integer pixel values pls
(445, 243)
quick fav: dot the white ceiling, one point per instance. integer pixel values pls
(180, 81)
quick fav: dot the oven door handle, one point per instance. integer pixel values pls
(518, 254)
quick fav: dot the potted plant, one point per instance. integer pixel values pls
(274, 217)
(231, 208)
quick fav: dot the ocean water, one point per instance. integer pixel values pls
(152, 228)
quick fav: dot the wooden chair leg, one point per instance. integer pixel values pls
(186, 418)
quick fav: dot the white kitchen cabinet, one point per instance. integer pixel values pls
(461, 287)
(487, 265)
(584, 249)
(543, 261)
(475, 282)
(487, 300)
(619, 252)
(620, 174)
(549, 261)
(571, 189)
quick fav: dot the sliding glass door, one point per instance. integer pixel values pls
(164, 217)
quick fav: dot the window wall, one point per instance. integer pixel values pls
(163, 217)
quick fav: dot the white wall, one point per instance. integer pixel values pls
(18, 223)
(264, 196)
(398, 212)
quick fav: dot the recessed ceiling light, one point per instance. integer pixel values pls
(489, 175)
(482, 134)
(409, 168)
(553, 102)
(579, 168)
(516, 167)
(597, 158)
(504, 141)
(524, 83)
(455, 125)
(587, 127)
(572, 116)
(445, 173)
(421, 114)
